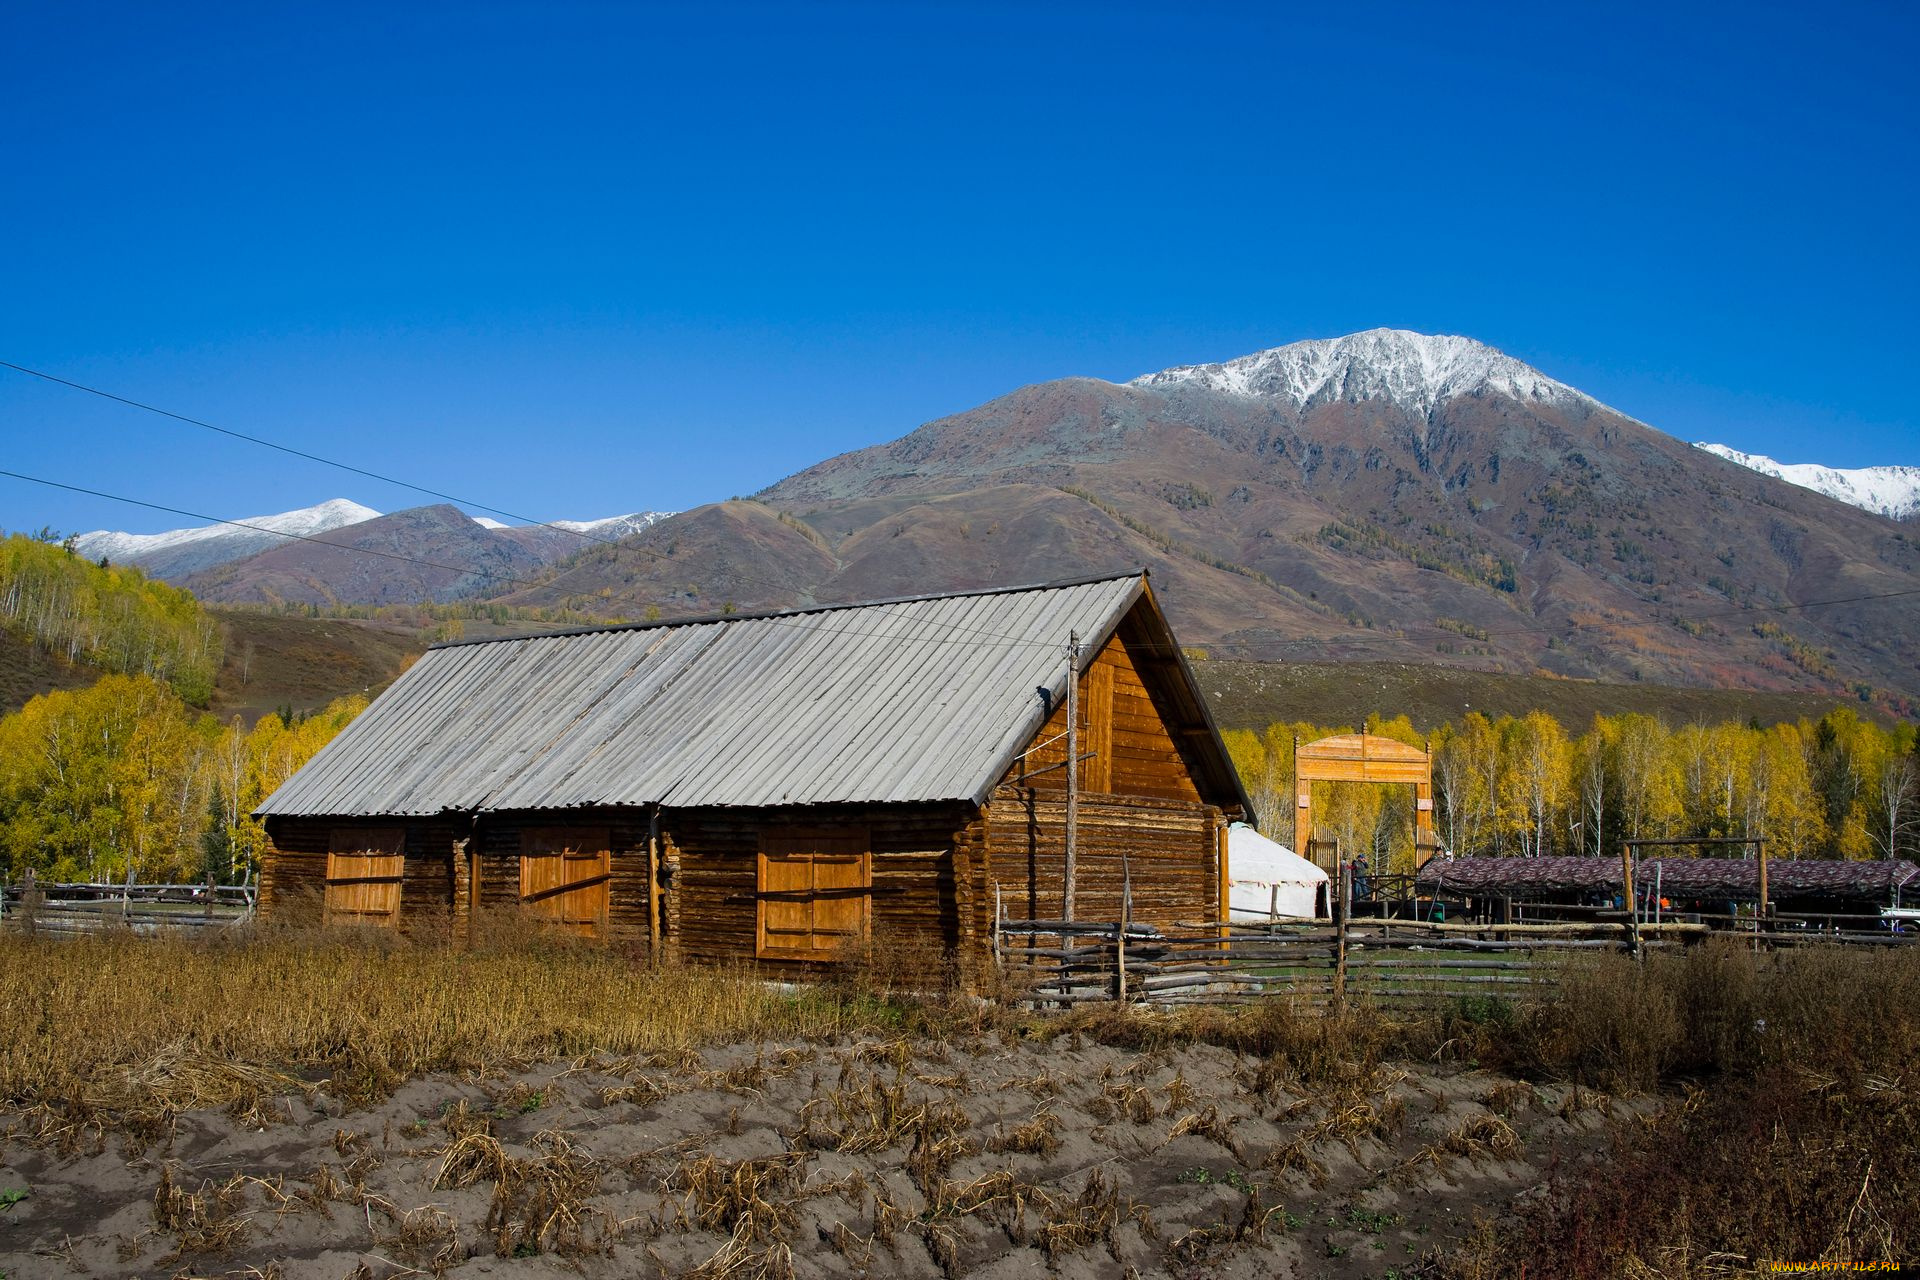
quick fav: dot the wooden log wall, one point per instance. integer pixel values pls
(920, 904)
(1169, 850)
(293, 872)
(497, 891)
(1125, 721)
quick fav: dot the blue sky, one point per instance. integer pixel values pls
(578, 259)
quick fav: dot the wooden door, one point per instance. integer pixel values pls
(564, 878)
(364, 871)
(816, 893)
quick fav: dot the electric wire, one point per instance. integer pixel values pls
(384, 478)
(992, 638)
(629, 545)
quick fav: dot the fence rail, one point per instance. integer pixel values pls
(68, 909)
(1331, 962)
(1315, 962)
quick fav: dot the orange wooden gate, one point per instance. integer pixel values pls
(564, 877)
(364, 870)
(816, 893)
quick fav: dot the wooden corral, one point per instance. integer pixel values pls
(928, 739)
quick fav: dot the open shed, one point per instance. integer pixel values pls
(774, 788)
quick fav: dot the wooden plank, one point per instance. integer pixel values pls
(365, 866)
(813, 892)
(565, 873)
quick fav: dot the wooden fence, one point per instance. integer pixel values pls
(1329, 962)
(1317, 962)
(57, 910)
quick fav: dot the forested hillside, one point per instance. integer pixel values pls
(108, 617)
(1839, 786)
(124, 774)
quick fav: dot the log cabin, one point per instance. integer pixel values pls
(775, 789)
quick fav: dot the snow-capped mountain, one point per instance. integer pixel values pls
(179, 552)
(1372, 497)
(1888, 491)
(1415, 370)
(605, 527)
(558, 539)
(615, 526)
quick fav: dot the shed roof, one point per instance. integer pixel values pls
(927, 698)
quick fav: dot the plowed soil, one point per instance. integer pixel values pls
(870, 1158)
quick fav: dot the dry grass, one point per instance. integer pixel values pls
(1717, 1009)
(1790, 1164)
(117, 1023)
(210, 1220)
(1039, 1136)
(1796, 1141)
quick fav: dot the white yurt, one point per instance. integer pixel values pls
(1264, 876)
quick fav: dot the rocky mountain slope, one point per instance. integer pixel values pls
(1388, 496)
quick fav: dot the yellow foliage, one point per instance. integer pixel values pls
(1836, 787)
(123, 776)
(108, 617)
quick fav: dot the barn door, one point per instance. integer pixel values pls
(816, 893)
(364, 869)
(564, 874)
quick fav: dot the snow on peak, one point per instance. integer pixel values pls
(259, 532)
(1417, 370)
(614, 526)
(486, 523)
(1888, 491)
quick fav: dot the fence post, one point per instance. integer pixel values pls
(999, 961)
(1343, 908)
(1120, 959)
(1632, 901)
(209, 904)
(29, 904)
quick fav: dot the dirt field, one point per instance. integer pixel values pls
(862, 1158)
(327, 1105)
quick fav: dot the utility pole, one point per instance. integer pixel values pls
(1073, 769)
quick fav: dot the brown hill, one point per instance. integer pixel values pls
(275, 662)
(461, 559)
(1527, 529)
(1498, 522)
(1253, 695)
(27, 671)
(1386, 497)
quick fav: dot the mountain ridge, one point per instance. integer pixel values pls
(178, 555)
(179, 552)
(1414, 369)
(1446, 500)
(1383, 497)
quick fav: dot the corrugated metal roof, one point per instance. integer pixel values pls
(921, 699)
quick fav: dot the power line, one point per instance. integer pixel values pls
(278, 533)
(385, 479)
(293, 452)
(660, 557)
(996, 638)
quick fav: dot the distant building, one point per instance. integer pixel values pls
(775, 788)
